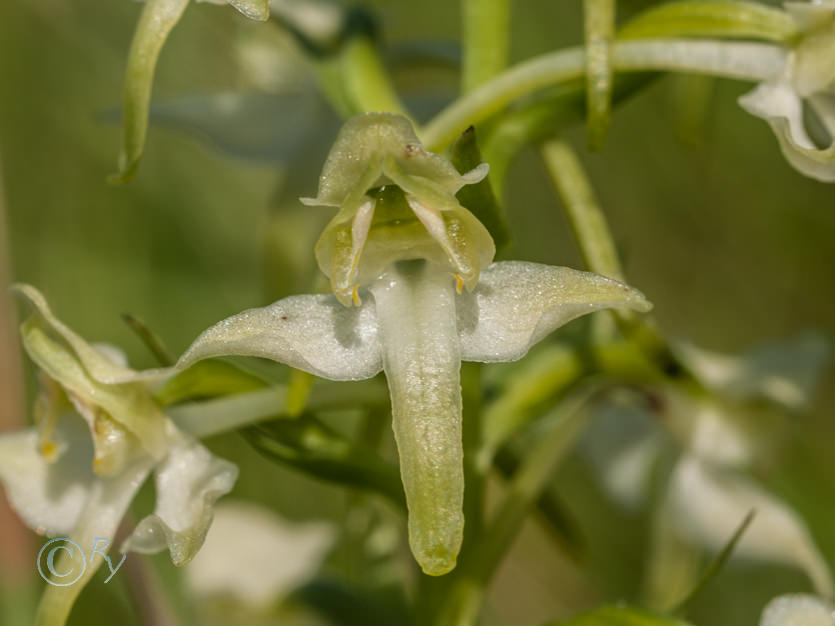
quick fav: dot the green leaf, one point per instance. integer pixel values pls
(540, 117)
(749, 20)
(479, 198)
(311, 446)
(209, 379)
(151, 340)
(717, 563)
(620, 615)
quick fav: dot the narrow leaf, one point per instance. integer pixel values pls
(479, 198)
(309, 445)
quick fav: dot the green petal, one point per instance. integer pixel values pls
(516, 304)
(416, 313)
(79, 368)
(311, 333)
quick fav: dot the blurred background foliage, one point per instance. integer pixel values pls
(732, 245)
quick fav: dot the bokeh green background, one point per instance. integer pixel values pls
(732, 245)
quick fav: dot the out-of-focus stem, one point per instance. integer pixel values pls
(599, 23)
(486, 39)
(743, 61)
(584, 213)
(366, 80)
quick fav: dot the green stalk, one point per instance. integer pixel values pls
(212, 417)
(367, 83)
(583, 210)
(485, 39)
(739, 60)
(599, 26)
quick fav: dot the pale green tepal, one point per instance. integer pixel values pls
(808, 76)
(158, 19)
(401, 238)
(391, 193)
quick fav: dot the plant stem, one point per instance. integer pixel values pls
(366, 81)
(212, 417)
(599, 26)
(485, 40)
(740, 60)
(583, 210)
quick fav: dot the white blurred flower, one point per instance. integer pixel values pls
(257, 557)
(798, 610)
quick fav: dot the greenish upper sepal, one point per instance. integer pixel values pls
(372, 152)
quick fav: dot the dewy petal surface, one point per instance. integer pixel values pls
(416, 313)
(314, 333)
(188, 483)
(517, 303)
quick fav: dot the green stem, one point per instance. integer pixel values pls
(212, 417)
(367, 84)
(485, 39)
(587, 219)
(739, 60)
(599, 26)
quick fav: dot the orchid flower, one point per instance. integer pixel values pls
(68, 480)
(808, 76)
(158, 19)
(798, 610)
(400, 253)
(708, 493)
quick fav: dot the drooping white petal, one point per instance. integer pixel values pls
(706, 506)
(108, 500)
(784, 372)
(516, 304)
(780, 105)
(314, 333)
(798, 610)
(188, 483)
(49, 497)
(257, 557)
(416, 314)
